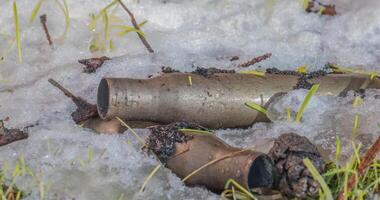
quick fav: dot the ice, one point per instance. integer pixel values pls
(184, 35)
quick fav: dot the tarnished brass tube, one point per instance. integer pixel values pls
(249, 168)
(215, 102)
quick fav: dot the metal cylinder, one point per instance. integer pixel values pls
(217, 101)
(248, 168)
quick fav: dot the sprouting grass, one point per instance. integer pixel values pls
(358, 101)
(242, 192)
(154, 171)
(17, 31)
(326, 193)
(289, 114)
(129, 128)
(306, 101)
(65, 10)
(257, 107)
(302, 69)
(127, 29)
(346, 70)
(195, 131)
(190, 80)
(35, 11)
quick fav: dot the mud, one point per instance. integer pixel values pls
(288, 153)
(303, 82)
(162, 138)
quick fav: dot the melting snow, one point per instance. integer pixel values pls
(184, 34)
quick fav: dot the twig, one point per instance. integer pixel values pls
(43, 19)
(368, 158)
(8, 136)
(133, 20)
(255, 60)
(84, 109)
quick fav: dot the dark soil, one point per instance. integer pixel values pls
(162, 138)
(168, 70)
(303, 82)
(207, 72)
(288, 153)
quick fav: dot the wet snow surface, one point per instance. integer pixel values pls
(184, 34)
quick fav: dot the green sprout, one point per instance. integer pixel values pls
(62, 6)
(317, 176)
(195, 131)
(65, 9)
(151, 174)
(257, 107)
(306, 101)
(17, 31)
(35, 11)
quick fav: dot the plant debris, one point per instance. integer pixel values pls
(92, 64)
(288, 153)
(314, 6)
(162, 138)
(43, 19)
(302, 78)
(207, 72)
(368, 158)
(168, 70)
(84, 109)
(8, 136)
(255, 60)
(134, 23)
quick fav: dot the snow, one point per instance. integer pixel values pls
(183, 34)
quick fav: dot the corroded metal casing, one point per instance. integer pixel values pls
(249, 168)
(217, 101)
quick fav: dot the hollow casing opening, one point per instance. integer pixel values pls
(103, 98)
(261, 173)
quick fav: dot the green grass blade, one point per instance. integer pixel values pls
(306, 101)
(150, 177)
(194, 131)
(65, 9)
(317, 176)
(257, 107)
(338, 145)
(35, 11)
(17, 30)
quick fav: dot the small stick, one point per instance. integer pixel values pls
(368, 158)
(255, 60)
(8, 136)
(43, 19)
(133, 20)
(84, 109)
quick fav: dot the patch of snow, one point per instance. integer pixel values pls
(183, 34)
